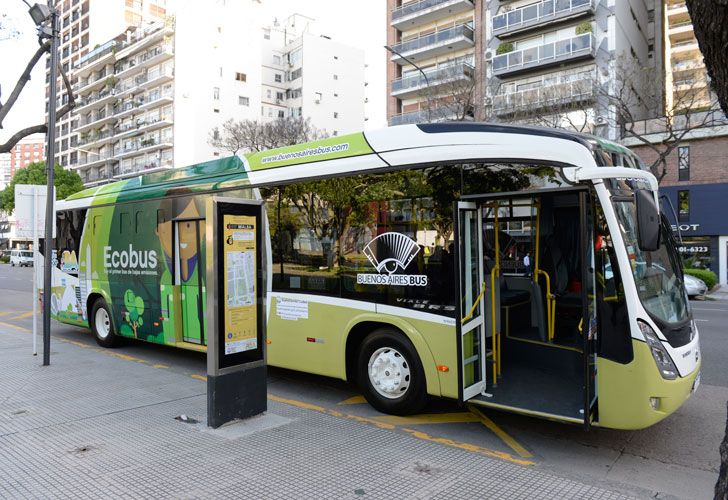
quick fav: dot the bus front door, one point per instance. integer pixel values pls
(189, 275)
(472, 319)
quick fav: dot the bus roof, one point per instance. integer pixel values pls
(401, 145)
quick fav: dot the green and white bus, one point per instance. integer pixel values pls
(517, 268)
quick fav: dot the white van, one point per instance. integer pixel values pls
(21, 258)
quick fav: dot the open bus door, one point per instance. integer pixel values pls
(471, 325)
(588, 327)
(544, 319)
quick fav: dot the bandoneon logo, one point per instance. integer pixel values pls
(390, 253)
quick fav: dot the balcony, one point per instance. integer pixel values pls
(141, 103)
(684, 46)
(434, 44)
(422, 116)
(147, 168)
(520, 61)
(98, 57)
(95, 101)
(95, 160)
(149, 58)
(543, 97)
(680, 28)
(411, 86)
(96, 120)
(539, 15)
(142, 125)
(141, 146)
(415, 14)
(95, 139)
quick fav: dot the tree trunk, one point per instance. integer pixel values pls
(710, 18)
(721, 487)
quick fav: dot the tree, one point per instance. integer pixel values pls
(710, 18)
(251, 135)
(639, 108)
(5, 107)
(133, 311)
(67, 182)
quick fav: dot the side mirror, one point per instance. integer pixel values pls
(648, 221)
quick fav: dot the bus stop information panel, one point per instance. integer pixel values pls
(236, 370)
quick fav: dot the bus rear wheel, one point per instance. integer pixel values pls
(101, 324)
(390, 373)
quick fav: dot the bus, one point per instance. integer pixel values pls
(518, 268)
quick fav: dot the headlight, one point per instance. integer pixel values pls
(667, 368)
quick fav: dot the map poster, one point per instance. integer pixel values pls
(241, 321)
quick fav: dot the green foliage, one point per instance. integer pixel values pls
(134, 306)
(585, 27)
(707, 276)
(4, 259)
(67, 182)
(504, 48)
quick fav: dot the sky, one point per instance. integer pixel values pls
(343, 20)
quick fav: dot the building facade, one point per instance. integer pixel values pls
(526, 59)
(434, 67)
(30, 149)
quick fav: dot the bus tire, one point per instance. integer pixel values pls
(101, 324)
(390, 373)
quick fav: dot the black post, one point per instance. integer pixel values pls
(50, 208)
(424, 75)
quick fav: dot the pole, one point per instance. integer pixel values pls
(424, 75)
(35, 271)
(50, 196)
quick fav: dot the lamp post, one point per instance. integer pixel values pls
(45, 18)
(424, 75)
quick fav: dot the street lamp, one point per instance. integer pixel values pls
(46, 19)
(424, 75)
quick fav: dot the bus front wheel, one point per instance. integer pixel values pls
(101, 324)
(390, 373)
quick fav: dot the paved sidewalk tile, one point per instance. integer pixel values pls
(92, 426)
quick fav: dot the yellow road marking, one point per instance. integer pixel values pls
(22, 316)
(22, 329)
(356, 400)
(199, 377)
(159, 365)
(333, 413)
(503, 435)
(5, 313)
(470, 447)
(431, 418)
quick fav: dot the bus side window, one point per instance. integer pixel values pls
(139, 221)
(123, 222)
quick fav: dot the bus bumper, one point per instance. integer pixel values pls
(634, 395)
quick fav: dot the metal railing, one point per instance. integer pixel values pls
(425, 41)
(561, 49)
(413, 7)
(537, 13)
(421, 116)
(434, 77)
(98, 52)
(557, 93)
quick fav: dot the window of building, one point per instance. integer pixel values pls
(268, 93)
(241, 77)
(277, 59)
(266, 33)
(683, 163)
(221, 71)
(278, 78)
(279, 96)
(336, 77)
(336, 114)
(243, 101)
(215, 110)
(683, 203)
(216, 93)
(295, 74)
(281, 113)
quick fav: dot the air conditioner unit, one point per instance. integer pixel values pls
(489, 54)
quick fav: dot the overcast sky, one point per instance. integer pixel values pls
(346, 21)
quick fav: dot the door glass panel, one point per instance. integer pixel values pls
(188, 274)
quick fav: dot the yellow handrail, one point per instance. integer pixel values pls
(493, 322)
(550, 306)
(475, 304)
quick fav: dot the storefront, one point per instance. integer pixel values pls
(700, 213)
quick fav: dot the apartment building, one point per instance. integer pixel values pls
(85, 25)
(551, 56)
(30, 149)
(5, 175)
(686, 79)
(312, 76)
(434, 53)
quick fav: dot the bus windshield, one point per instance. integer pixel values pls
(656, 273)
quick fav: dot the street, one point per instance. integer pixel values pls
(677, 458)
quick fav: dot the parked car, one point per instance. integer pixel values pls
(21, 258)
(695, 286)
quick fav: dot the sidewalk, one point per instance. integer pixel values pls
(719, 293)
(96, 425)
